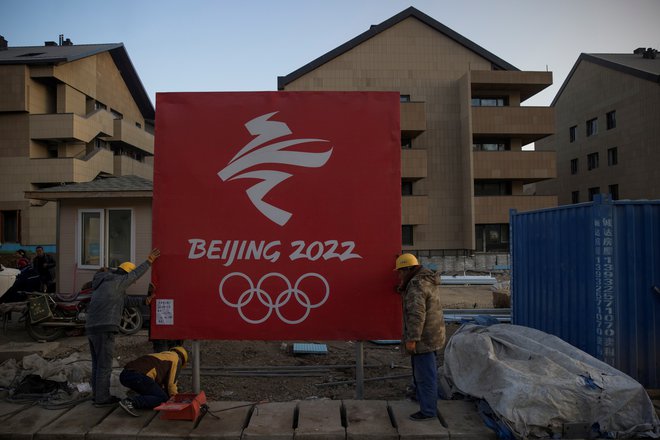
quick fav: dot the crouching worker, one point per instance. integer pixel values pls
(153, 377)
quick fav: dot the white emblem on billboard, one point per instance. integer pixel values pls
(259, 152)
(281, 300)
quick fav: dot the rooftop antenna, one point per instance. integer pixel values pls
(61, 39)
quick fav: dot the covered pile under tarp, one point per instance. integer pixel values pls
(536, 383)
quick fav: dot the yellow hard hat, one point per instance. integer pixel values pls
(182, 351)
(127, 266)
(406, 260)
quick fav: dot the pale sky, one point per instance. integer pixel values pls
(244, 45)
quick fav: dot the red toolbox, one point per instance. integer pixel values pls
(182, 407)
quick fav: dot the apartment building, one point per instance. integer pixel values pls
(607, 133)
(68, 113)
(462, 129)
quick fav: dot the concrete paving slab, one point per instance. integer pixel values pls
(368, 420)
(463, 420)
(75, 423)
(166, 428)
(320, 420)
(119, 425)
(271, 421)
(27, 421)
(409, 429)
(228, 423)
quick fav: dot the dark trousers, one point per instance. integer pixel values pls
(101, 346)
(150, 394)
(425, 375)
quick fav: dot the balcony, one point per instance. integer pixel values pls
(527, 123)
(70, 127)
(124, 166)
(414, 210)
(413, 164)
(132, 135)
(527, 166)
(495, 209)
(68, 169)
(526, 83)
(413, 118)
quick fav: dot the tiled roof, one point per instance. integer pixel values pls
(282, 81)
(105, 184)
(52, 54)
(101, 187)
(637, 64)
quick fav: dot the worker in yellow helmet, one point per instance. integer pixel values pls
(423, 330)
(103, 319)
(153, 377)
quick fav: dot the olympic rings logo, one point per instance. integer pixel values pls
(281, 300)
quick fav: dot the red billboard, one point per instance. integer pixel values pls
(278, 215)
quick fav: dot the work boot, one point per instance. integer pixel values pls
(419, 417)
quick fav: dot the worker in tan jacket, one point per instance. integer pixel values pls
(153, 377)
(423, 330)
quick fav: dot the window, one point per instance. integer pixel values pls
(614, 191)
(592, 161)
(116, 114)
(592, 127)
(574, 166)
(490, 101)
(406, 143)
(494, 145)
(492, 237)
(572, 133)
(138, 125)
(406, 188)
(52, 150)
(593, 192)
(100, 143)
(407, 235)
(575, 197)
(492, 188)
(612, 156)
(404, 98)
(611, 119)
(90, 238)
(10, 226)
(105, 237)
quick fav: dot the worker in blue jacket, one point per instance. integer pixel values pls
(103, 320)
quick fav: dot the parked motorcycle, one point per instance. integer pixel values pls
(50, 315)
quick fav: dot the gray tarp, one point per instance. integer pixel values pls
(536, 382)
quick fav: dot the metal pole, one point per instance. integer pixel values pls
(196, 365)
(359, 370)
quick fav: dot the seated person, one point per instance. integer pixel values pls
(26, 281)
(153, 377)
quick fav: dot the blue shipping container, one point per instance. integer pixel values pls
(590, 274)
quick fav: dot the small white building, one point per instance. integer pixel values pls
(101, 223)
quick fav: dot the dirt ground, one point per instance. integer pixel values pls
(268, 370)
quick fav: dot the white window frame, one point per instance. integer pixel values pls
(103, 233)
